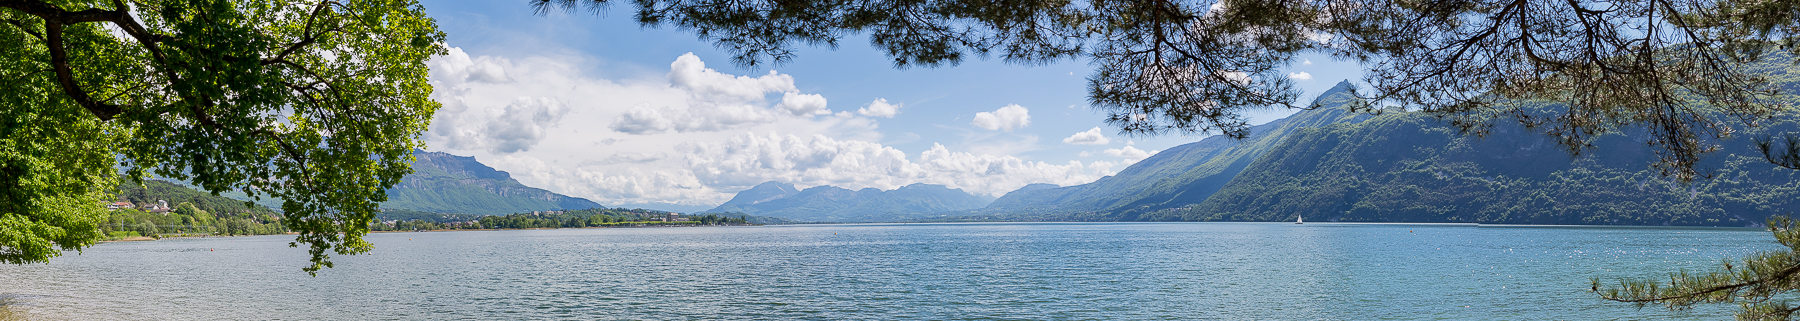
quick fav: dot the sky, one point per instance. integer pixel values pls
(594, 106)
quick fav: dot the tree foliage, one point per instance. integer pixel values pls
(1197, 66)
(317, 103)
(1758, 283)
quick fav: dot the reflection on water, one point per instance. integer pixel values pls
(892, 271)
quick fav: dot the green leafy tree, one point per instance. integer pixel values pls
(317, 103)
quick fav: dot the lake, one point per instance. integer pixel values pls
(1111, 271)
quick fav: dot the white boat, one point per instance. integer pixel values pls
(1299, 220)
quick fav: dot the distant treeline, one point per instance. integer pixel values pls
(406, 220)
(163, 209)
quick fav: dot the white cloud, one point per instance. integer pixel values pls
(803, 104)
(1004, 119)
(458, 65)
(523, 124)
(717, 101)
(643, 120)
(1130, 153)
(880, 108)
(708, 85)
(680, 137)
(514, 127)
(1307, 62)
(746, 160)
(1089, 137)
(1299, 76)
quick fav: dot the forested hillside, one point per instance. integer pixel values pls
(1411, 168)
(163, 208)
(172, 193)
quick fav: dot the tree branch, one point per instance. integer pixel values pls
(65, 76)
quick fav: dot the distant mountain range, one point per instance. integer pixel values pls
(834, 204)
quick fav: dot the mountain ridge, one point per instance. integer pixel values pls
(445, 183)
(1179, 176)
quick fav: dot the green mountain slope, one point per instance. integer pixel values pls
(1180, 176)
(1408, 167)
(834, 204)
(444, 183)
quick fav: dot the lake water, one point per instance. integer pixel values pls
(1106, 271)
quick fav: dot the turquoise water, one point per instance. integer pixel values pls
(894, 271)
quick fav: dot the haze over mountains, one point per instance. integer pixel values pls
(834, 204)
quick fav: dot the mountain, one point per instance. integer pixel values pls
(444, 183)
(1327, 165)
(1179, 176)
(1410, 167)
(833, 204)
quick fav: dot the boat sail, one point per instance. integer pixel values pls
(1299, 220)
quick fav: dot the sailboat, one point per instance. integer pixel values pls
(1298, 220)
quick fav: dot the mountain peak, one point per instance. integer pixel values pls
(445, 183)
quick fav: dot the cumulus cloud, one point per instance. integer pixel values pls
(717, 101)
(706, 84)
(880, 108)
(611, 184)
(458, 65)
(523, 123)
(514, 127)
(1004, 119)
(1089, 137)
(1307, 62)
(1130, 153)
(746, 160)
(1299, 76)
(803, 104)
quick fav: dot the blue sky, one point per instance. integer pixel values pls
(594, 106)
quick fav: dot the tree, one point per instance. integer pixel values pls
(1668, 67)
(317, 103)
(1755, 282)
